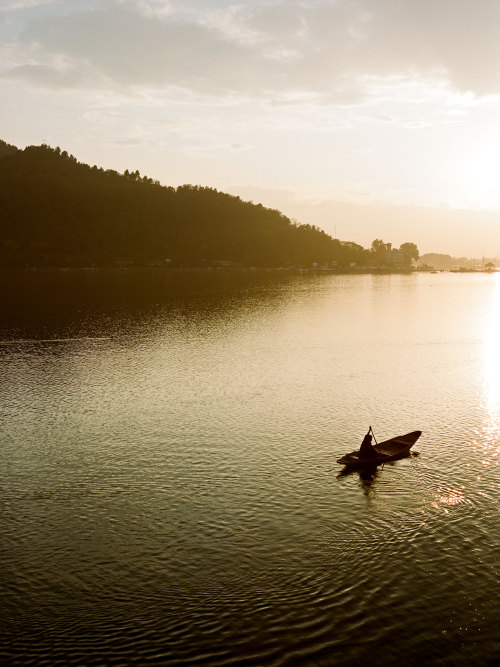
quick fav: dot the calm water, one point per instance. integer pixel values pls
(168, 487)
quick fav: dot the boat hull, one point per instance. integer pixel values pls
(389, 450)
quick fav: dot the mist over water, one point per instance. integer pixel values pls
(168, 488)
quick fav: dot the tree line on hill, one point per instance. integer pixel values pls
(57, 211)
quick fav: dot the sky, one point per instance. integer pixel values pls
(368, 118)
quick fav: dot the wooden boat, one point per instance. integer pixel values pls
(389, 450)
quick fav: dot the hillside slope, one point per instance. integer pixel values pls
(59, 212)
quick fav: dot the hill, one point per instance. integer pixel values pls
(442, 262)
(6, 149)
(59, 212)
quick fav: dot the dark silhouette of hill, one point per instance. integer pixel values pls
(6, 149)
(59, 212)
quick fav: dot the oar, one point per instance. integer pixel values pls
(378, 450)
(375, 439)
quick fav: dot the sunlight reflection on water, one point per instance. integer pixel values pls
(491, 354)
(452, 496)
(490, 439)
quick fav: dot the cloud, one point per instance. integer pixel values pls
(131, 141)
(123, 47)
(333, 49)
(51, 77)
(13, 5)
(453, 39)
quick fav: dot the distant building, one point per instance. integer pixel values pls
(393, 257)
(489, 266)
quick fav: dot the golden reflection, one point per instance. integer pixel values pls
(492, 361)
(490, 437)
(452, 497)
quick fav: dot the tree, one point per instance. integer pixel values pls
(410, 251)
(378, 246)
(379, 251)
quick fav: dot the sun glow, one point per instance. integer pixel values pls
(481, 177)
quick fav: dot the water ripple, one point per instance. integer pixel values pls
(169, 492)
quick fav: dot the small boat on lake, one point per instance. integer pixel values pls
(389, 450)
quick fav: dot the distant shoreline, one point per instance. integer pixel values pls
(227, 270)
(201, 269)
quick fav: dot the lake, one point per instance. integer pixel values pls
(169, 492)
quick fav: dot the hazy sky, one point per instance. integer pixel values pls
(371, 118)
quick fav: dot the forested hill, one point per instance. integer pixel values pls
(56, 211)
(6, 149)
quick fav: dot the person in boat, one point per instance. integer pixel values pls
(367, 451)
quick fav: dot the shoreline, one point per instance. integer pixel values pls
(232, 269)
(202, 269)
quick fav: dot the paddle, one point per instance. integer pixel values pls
(376, 443)
(378, 450)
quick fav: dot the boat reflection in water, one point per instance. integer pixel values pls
(368, 474)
